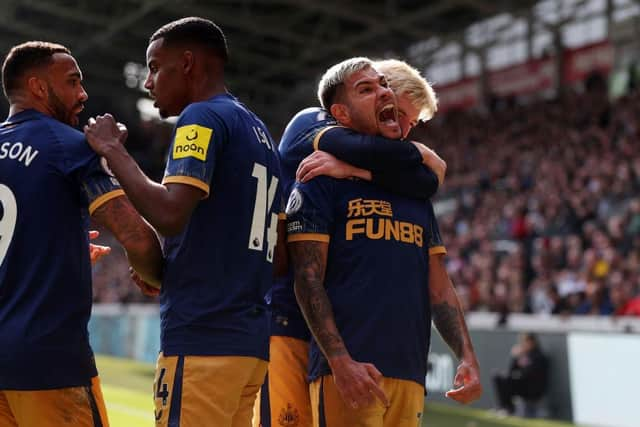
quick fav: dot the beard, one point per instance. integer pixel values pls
(60, 112)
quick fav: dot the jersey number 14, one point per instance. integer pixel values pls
(262, 208)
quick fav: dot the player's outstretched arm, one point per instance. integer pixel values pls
(136, 236)
(167, 208)
(448, 318)
(357, 382)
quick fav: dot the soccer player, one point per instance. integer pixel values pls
(417, 101)
(50, 182)
(415, 97)
(218, 208)
(399, 167)
(377, 270)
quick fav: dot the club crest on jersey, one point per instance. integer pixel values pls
(289, 416)
(295, 202)
(192, 141)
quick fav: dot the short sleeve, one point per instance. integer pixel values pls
(310, 211)
(89, 171)
(99, 185)
(433, 238)
(198, 138)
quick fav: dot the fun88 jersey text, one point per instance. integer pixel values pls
(377, 281)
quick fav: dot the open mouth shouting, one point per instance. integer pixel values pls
(388, 121)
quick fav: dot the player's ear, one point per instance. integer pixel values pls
(341, 113)
(188, 61)
(37, 87)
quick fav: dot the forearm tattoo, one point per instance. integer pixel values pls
(309, 261)
(124, 222)
(447, 319)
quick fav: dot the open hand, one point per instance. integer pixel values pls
(96, 251)
(467, 387)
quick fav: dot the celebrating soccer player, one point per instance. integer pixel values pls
(218, 208)
(50, 182)
(362, 258)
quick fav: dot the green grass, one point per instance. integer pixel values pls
(439, 415)
(127, 387)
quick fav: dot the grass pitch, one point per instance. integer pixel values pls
(127, 387)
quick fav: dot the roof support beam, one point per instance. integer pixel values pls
(120, 24)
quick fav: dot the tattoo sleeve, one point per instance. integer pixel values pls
(446, 318)
(135, 235)
(309, 262)
(446, 309)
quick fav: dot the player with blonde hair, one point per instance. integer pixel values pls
(410, 88)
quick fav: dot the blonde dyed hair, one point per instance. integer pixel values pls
(404, 79)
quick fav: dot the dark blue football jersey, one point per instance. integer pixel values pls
(377, 270)
(50, 180)
(389, 160)
(295, 145)
(220, 267)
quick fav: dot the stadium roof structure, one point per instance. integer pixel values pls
(278, 48)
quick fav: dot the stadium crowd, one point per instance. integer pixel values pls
(540, 210)
(541, 206)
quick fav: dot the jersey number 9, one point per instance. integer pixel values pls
(8, 216)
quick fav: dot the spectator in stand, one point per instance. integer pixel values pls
(596, 300)
(527, 376)
(623, 299)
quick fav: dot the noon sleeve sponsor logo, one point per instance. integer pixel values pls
(373, 219)
(192, 141)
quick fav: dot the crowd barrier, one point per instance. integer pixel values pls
(594, 360)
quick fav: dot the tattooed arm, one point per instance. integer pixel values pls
(449, 320)
(135, 235)
(357, 382)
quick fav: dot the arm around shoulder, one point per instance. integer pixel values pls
(370, 152)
